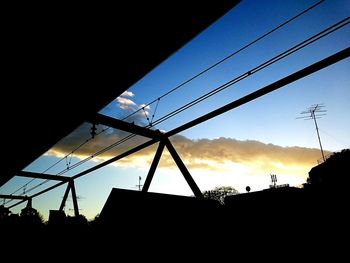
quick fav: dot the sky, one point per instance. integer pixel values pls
(239, 148)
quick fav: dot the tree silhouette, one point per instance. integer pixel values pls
(219, 193)
(31, 216)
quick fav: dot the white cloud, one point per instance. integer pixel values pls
(125, 103)
(127, 94)
(138, 113)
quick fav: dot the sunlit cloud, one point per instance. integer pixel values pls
(125, 103)
(217, 156)
(137, 113)
(127, 94)
(220, 157)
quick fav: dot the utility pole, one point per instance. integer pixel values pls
(313, 113)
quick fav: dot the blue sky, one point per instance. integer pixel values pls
(241, 147)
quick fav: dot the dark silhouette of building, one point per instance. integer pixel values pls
(142, 213)
(333, 174)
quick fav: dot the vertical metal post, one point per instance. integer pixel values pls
(195, 189)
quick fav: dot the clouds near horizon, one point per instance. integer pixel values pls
(228, 155)
(220, 155)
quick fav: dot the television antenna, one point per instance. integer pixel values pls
(315, 112)
(79, 197)
(273, 180)
(139, 185)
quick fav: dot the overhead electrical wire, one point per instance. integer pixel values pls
(184, 107)
(60, 160)
(210, 67)
(222, 87)
(226, 58)
(267, 63)
(300, 74)
(282, 55)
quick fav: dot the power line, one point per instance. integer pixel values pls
(191, 79)
(339, 141)
(267, 63)
(194, 102)
(234, 104)
(57, 162)
(226, 58)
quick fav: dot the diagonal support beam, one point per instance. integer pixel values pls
(64, 200)
(74, 198)
(153, 167)
(70, 187)
(94, 168)
(343, 54)
(43, 176)
(195, 189)
(124, 126)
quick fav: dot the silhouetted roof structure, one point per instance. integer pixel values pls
(333, 173)
(126, 205)
(65, 63)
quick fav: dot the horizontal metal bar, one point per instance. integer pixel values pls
(345, 53)
(124, 126)
(19, 197)
(43, 176)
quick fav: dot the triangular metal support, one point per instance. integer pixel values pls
(153, 167)
(166, 142)
(71, 187)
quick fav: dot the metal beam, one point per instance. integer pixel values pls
(345, 53)
(195, 189)
(74, 198)
(18, 197)
(39, 193)
(153, 167)
(125, 154)
(65, 196)
(43, 176)
(124, 126)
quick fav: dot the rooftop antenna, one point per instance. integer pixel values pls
(139, 185)
(315, 112)
(273, 181)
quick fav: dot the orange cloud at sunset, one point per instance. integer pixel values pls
(221, 155)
